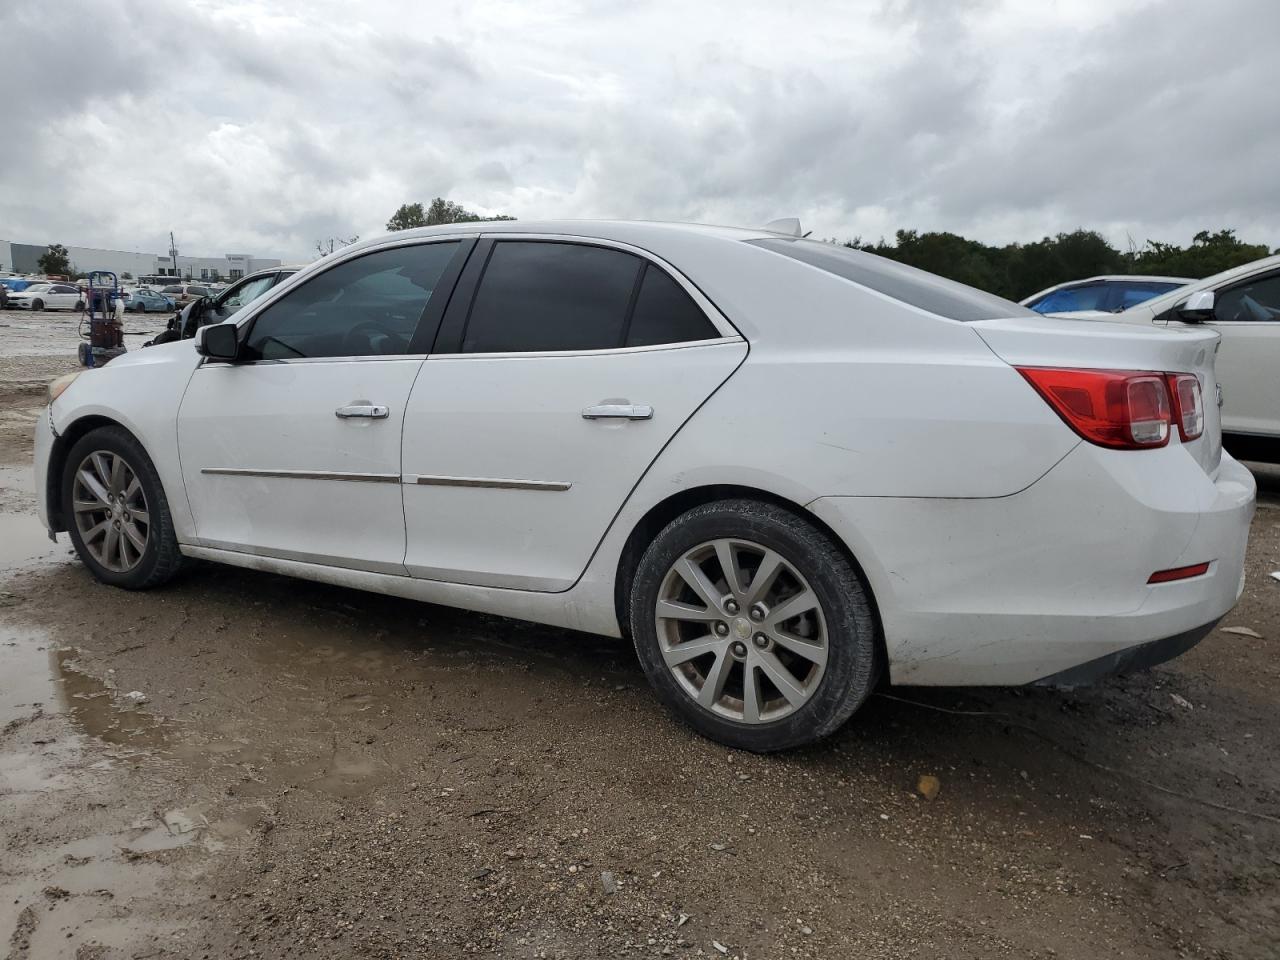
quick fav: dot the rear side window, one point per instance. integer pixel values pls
(539, 295)
(918, 288)
(664, 313)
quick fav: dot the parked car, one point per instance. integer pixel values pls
(47, 296)
(1101, 294)
(145, 300)
(782, 467)
(1242, 305)
(184, 293)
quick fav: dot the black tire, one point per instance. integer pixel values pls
(37, 304)
(852, 664)
(79, 306)
(161, 559)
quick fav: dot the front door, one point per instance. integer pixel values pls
(573, 367)
(294, 452)
(1247, 314)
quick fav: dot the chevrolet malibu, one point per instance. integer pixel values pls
(786, 470)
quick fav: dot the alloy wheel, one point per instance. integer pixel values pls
(111, 510)
(742, 631)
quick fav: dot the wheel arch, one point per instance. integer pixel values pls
(58, 454)
(663, 512)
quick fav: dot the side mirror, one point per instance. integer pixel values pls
(219, 341)
(1198, 307)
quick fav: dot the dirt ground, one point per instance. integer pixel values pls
(242, 765)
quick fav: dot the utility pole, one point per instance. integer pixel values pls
(173, 254)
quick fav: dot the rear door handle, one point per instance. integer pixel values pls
(374, 411)
(618, 411)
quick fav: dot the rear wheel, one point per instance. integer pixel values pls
(117, 513)
(753, 626)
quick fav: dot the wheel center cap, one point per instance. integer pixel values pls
(742, 628)
(116, 510)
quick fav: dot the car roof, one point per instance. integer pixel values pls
(624, 231)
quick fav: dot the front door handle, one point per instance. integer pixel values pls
(618, 411)
(374, 411)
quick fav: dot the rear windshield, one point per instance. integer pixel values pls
(919, 288)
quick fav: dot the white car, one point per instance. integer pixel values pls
(1102, 294)
(782, 467)
(1243, 306)
(48, 296)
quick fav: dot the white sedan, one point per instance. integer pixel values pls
(48, 296)
(786, 470)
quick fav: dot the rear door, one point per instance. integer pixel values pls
(63, 296)
(561, 371)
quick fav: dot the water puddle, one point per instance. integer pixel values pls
(23, 541)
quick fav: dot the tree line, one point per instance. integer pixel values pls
(1017, 270)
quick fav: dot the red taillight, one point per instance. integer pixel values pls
(1179, 573)
(1188, 406)
(1124, 409)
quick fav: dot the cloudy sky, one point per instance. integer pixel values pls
(262, 127)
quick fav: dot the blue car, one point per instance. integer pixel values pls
(147, 300)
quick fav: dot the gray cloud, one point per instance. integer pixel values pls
(254, 127)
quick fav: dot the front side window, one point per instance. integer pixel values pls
(539, 295)
(368, 306)
(1255, 300)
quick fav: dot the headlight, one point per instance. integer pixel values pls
(56, 387)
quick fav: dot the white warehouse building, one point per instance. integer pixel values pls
(24, 257)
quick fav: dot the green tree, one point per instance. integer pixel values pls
(55, 260)
(408, 216)
(438, 212)
(1208, 254)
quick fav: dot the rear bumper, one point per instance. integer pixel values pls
(1053, 579)
(1141, 657)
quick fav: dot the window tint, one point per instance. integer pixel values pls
(369, 306)
(537, 295)
(664, 313)
(918, 288)
(1091, 296)
(1257, 300)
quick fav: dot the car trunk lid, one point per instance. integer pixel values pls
(1048, 341)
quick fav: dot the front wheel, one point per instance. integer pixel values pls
(37, 304)
(117, 512)
(753, 626)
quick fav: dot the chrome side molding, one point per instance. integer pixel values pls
(497, 483)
